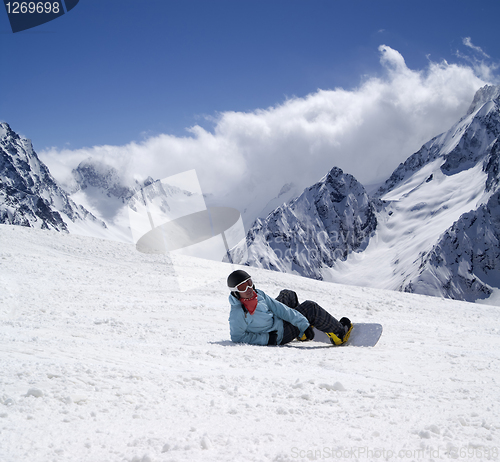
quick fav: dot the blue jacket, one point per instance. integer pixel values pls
(268, 317)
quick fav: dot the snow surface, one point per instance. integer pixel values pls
(116, 217)
(409, 226)
(104, 359)
(421, 208)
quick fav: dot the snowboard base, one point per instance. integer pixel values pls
(362, 335)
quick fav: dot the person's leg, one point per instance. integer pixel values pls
(325, 322)
(288, 298)
(320, 319)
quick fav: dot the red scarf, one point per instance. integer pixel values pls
(250, 303)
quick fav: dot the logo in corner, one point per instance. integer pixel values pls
(26, 15)
(170, 216)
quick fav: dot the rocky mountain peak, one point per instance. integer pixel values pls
(29, 195)
(470, 140)
(482, 96)
(326, 222)
(97, 174)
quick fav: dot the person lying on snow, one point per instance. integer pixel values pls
(258, 319)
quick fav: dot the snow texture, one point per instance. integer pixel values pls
(104, 359)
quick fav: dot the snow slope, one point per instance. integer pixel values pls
(104, 359)
(447, 187)
(409, 225)
(425, 198)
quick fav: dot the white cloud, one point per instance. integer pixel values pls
(366, 131)
(468, 43)
(481, 62)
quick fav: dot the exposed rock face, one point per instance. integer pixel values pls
(29, 195)
(326, 222)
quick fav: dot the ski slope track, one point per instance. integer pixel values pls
(103, 358)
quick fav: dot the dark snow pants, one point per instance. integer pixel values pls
(317, 316)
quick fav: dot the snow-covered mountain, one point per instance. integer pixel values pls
(103, 191)
(465, 262)
(105, 359)
(96, 201)
(430, 229)
(30, 196)
(451, 187)
(109, 196)
(327, 221)
(91, 173)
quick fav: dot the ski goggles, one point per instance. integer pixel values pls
(245, 285)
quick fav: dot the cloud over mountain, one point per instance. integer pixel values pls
(366, 131)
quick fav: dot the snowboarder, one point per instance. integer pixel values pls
(259, 319)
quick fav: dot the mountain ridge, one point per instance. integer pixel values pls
(450, 182)
(429, 229)
(30, 196)
(297, 236)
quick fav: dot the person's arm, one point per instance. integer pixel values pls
(239, 334)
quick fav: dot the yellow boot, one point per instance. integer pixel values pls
(335, 339)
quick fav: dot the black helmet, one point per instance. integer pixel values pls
(236, 278)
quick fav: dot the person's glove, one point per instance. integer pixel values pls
(308, 334)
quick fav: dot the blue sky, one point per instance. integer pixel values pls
(113, 71)
(285, 89)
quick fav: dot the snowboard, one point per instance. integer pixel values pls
(362, 335)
